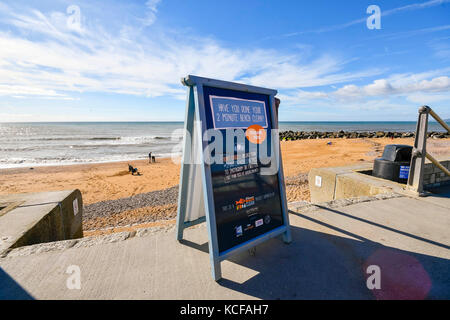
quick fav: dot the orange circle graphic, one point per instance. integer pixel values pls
(256, 134)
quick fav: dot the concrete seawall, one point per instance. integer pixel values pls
(32, 218)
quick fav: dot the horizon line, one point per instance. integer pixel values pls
(182, 121)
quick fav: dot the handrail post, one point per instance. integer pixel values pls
(415, 179)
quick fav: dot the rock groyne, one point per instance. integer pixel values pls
(303, 135)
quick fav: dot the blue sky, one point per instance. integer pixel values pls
(122, 61)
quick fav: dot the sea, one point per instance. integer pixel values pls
(45, 144)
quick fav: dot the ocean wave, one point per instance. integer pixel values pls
(104, 138)
(20, 149)
(134, 140)
(143, 138)
(96, 146)
(6, 163)
(46, 139)
(89, 143)
(140, 140)
(76, 139)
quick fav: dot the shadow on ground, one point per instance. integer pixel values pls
(10, 289)
(318, 265)
(441, 192)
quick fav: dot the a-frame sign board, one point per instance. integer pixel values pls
(242, 198)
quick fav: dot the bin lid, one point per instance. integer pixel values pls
(397, 152)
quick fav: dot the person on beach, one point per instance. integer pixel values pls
(133, 170)
(150, 157)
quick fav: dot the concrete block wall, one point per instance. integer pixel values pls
(40, 217)
(433, 176)
(327, 184)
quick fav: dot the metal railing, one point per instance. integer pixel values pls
(416, 171)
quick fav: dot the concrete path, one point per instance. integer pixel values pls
(332, 249)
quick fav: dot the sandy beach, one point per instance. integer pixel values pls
(114, 198)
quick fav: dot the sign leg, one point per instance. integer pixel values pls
(180, 228)
(185, 164)
(287, 238)
(216, 270)
(181, 214)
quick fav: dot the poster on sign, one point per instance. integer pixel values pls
(247, 202)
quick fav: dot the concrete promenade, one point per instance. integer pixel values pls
(333, 245)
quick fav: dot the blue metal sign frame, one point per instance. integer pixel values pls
(193, 170)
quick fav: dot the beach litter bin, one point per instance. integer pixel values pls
(394, 164)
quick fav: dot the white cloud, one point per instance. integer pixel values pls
(44, 58)
(152, 4)
(415, 88)
(152, 9)
(434, 85)
(397, 85)
(350, 90)
(416, 6)
(427, 98)
(379, 87)
(58, 61)
(384, 13)
(298, 97)
(290, 74)
(14, 117)
(23, 90)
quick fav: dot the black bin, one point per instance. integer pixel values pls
(394, 164)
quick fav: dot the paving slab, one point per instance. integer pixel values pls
(332, 249)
